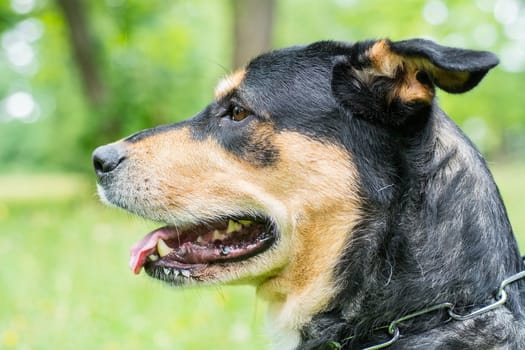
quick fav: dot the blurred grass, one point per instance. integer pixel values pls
(509, 177)
(65, 284)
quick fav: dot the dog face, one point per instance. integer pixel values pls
(268, 182)
(245, 186)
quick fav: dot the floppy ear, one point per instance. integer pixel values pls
(393, 83)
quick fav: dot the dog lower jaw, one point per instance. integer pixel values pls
(224, 240)
(206, 253)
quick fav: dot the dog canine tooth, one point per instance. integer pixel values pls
(166, 271)
(162, 248)
(233, 226)
(176, 273)
(185, 273)
(217, 235)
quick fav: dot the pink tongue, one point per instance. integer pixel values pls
(148, 245)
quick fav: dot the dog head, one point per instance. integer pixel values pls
(269, 182)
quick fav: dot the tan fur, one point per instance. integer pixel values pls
(412, 90)
(310, 191)
(393, 66)
(386, 63)
(325, 207)
(384, 60)
(229, 83)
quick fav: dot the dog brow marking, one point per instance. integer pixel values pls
(229, 83)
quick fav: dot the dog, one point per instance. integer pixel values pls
(328, 177)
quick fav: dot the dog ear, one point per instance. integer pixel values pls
(393, 83)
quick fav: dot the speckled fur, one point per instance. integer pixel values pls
(383, 206)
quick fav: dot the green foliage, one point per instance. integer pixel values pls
(152, 68)
(158, 74)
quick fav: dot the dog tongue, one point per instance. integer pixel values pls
(202, 244)
(145, 247)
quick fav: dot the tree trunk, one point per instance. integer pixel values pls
(83, 49)
(253, 29)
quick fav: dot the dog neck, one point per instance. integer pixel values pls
(440, 233)
(307, 285)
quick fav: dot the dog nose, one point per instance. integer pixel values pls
(107, 158)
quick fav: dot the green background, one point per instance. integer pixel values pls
(64, 280)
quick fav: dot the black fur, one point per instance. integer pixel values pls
(433, 227)
(369, 100)
(436, 238)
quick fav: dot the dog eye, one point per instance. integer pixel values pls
(239, 113)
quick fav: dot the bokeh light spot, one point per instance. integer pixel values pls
(22, 6)
(485, 35)
(512, 57)
(506, 11)
(435, 12)
(20, 54)
(21, 105)
(31, 29)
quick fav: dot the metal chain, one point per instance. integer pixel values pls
(393, 329)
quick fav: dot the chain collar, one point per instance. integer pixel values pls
(393, 329)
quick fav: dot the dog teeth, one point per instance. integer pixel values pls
(185, 273)
(217, 235)
(225, 251)
(162, 248)
(176, 273)
(245, 222)
(153, 257)
(166, 271)
(233, 226)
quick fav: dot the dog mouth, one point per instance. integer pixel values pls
(170, 253)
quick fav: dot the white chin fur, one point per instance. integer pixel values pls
(282, 339)
(103, 197)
